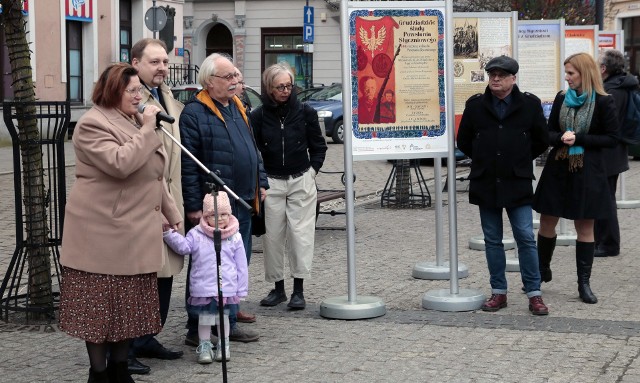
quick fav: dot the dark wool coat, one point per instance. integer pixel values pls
(204, 133)
(502, 150)
(290, 146)
(619, 86)
(582, 194)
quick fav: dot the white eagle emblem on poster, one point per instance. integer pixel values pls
(374, 41)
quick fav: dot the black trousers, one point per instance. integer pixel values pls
(164, 294)
(607, 231)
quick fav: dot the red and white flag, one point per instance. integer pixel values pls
(79, 9)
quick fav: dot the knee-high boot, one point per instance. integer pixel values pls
(584, 262)
(98, 377)
(545, 252)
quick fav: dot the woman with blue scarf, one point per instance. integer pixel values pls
(573, 184)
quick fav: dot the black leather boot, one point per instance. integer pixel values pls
(118, 372)
(546, 246)
(584, 262)
(98, 377)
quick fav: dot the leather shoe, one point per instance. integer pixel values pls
(297, 301)
(495, 303)
(605, 253)
(274, 298)
(158, 351)
(244, 336)
(135, 367)
(245, 317)
(537, 307)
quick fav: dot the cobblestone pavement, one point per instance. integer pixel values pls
(575, 343)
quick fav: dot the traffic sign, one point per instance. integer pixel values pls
(308, 15)
(307, 36)
(155, 19)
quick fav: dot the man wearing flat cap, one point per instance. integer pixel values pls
(503, 130)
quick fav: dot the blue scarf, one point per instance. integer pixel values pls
(575, 116)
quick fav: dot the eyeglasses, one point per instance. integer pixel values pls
(135, 91)
(499, 75)
(228, 77)
(281, 88)
(241, 83)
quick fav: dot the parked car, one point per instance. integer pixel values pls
(328, 103)
(305, 94)
(183, 93)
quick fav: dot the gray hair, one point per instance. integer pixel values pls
(208, 67)
(274, 71)
(613, 61)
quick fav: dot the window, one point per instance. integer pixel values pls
(285, 44)
(125, 31)
(631, 27)
(74, 61)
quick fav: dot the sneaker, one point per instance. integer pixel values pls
(244, 336)
(193, 340)
(495, 303)
(205, 352)
(226, 351)
(537, 306)
(274, 298)
(297, 301)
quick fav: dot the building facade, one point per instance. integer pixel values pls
(73, 41)
(625, 15)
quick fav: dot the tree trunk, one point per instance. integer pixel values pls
(36, 228)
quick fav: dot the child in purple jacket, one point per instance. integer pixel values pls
(203, 276)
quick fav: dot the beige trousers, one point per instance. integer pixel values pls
(290, 218)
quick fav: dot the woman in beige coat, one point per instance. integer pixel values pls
(112, 242)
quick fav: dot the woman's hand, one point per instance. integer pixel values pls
(263, 194)
(149, 116)
(569, 138)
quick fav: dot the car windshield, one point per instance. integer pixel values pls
(330, 93)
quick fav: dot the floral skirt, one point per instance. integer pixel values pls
(102, 308)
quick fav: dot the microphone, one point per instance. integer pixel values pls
(162, 116)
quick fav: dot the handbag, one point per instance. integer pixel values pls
(258, 226)
(257, 218)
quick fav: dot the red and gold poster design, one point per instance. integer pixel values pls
(397, 67)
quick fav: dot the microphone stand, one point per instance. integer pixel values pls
(217, 237)
(217, 245)
(216, 180)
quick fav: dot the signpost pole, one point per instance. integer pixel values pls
(154, 18)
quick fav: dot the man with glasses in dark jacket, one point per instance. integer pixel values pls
(503, 131)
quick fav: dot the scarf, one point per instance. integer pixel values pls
(226, 232)
(575, 116)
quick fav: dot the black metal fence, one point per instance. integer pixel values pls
(181, 74)
(47, 150)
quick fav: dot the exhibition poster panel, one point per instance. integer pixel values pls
(476, 40)
(539, 55)
(580, 39)
(397, 82)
